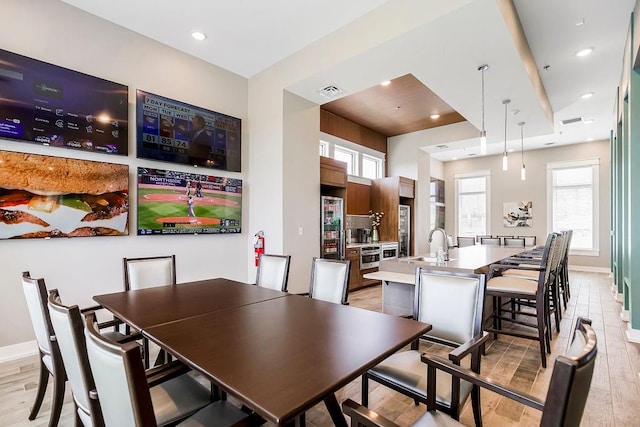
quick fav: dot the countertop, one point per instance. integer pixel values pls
(359, 245)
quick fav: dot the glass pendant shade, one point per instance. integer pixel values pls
(505, 162)
(483, 132)
(523, 172)
(505, 156)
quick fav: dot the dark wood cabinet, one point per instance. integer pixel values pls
(353, 255)
(359, 199)
(387, 194)
(333, 172)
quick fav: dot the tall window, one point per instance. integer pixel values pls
(573, 191)
(472, 210)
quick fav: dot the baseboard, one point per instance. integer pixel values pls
(624, 315)
(633, 335)
(590, 269)
(18, 351)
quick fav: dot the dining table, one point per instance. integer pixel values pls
(278, 354)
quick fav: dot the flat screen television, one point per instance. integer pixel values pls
(177, 132)
(44, 104)
(187, 203)
(44, 196)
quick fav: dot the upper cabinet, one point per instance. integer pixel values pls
(387, 194)
(359, 199)
(333, 172)
(407, 187)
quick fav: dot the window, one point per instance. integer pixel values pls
(347, 156)
(472, 207)
(371, 167)
(362, 162)
(573, 192)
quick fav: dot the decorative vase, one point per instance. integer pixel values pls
(374, 235)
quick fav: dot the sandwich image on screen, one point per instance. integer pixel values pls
(44, 196)
(186, 203)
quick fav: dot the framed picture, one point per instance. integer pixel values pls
(518, 214)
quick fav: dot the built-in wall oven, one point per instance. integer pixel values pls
(388, 251)
(369, 256)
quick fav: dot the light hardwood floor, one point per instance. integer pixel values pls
(614, 399)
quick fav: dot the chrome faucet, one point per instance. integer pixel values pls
(446, 241)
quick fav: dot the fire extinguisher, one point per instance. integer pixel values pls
(258, 246)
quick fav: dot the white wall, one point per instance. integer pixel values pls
(507, 187)
(81, 267)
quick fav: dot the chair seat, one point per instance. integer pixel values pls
(407, 370)
(178, 398)
(436, 419)
(526, 274)
(114, 336)
(220, 413)
(512, 284)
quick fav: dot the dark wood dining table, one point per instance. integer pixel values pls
(278, 354)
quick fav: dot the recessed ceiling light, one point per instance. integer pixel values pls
(584, 52)
(587, 121)
(435, 116)
(586, 95)
(385, 83)
(510, 150)
(198, 35)
(455, 158)
(590, 139)
(580, 22)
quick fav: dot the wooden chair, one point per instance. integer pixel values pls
(565, 400)
(329, 280)
(273, 272)
(528, 240)
(148, 272)
(492, 241)
(517, 288)
(452, 303)
(35, 293)
(519, 242)
(466, 241)
(480, 236)
(126, 399)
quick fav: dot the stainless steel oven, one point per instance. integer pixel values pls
(369, 256)
(388, 251)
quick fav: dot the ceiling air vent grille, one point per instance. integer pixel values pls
(331, 91)
(570, 121)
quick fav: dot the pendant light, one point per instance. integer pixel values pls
(505, 158)
(523, 172)
(483, 132)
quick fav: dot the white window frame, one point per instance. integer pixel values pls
(595, 194)
(477, 174)
(378, 161)
(361, 151)
(352, 153)
(324, 148)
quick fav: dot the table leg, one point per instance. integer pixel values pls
(334, 410)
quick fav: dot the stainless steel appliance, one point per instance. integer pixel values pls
(404, 230)
(332, 231)
(363, 235)
(388, 251)
(369, 256)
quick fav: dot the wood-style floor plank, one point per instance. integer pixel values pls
(614, 399)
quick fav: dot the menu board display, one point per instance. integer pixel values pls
(45, 104)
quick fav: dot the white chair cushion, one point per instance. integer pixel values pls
(149, 273)
(34, 304)
(178, 397)
(526, 274)
(406, 369)
(329, 281)
(272, 272)
(436, 419)
(220, 413)
(512, 284)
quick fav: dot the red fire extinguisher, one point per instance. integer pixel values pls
(258, 246)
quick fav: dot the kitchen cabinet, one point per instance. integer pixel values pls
(387, 194)
(355, 279)
(333, 172)
(358, 199)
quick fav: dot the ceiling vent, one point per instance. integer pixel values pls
(442, 147)
(570, 121)
(331, 91)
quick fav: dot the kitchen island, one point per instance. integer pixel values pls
(398, 275)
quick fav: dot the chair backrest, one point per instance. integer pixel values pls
(35, 293)
(480, 236)
(68, 326)
(528, 240)
(149, 272)
(493, 241)
(514, 242)
(329, 280)
(466, 241)
(273, 272)
(120, 379)
(451, 302)
(571, 378)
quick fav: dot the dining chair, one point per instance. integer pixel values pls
(480, 236)
(35, 293)
(452, 303)
(149, 272)
(129, 396)
(491, 241)
(522, 289)
(511, 241)
(565, 399)
(273, 272)
(528, 240)
(329, 280)
(466, 241)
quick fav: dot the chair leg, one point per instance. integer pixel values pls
(59, 381)
(42, 388)
(145, 352)
(542, 337)
(475, 403)
(365, 390)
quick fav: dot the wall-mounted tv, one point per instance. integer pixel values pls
(44, 196)
(45, 104)
(177, 132)
(186, 203)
